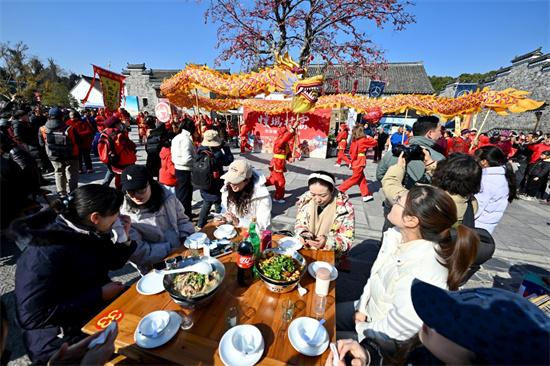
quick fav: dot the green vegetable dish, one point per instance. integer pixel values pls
(279, 267)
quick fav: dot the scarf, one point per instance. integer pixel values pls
(322, 223)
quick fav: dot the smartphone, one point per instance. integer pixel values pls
(308, 236)
(221, 250)
(335, 355)
(162, 265)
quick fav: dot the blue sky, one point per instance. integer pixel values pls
(451, 37)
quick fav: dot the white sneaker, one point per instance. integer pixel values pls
(368, 198)
(278, 201)
(525, 197)
(336, 164)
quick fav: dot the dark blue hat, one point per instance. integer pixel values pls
(498, 325)
(55, 112)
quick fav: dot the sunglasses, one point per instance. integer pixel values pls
(134, 192)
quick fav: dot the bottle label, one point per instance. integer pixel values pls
(245, 261)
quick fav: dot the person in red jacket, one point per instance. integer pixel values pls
(281, 152)
(504, 143)
(360, 143)
(461, 144)
(125, 150)
(142, 127)
(167, 172)
(100, 120)
(342, 140)
(244, 138)
(86, 132)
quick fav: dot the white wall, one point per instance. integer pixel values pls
(80, 90)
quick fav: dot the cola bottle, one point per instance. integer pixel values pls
(245, 261)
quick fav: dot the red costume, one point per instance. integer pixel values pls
(142, 127)
(244, 139)
(357, 151)
(459, 145)
(342, 140)
(281, 152)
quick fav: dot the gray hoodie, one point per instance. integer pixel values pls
(415, 169)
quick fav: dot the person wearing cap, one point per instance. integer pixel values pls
(125, 150)
(420, 245)
(213, 196)
(504, 142)
(63, 155)
(342, 141)
(460, 144)
(481, 326)
(473, 134)
(244, 197)
(277, 166)
(159, 223)
(325, 219)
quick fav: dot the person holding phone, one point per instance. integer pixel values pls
(62, 277)
(325, 218)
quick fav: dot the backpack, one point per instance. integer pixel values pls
(154, 144)
(58, 142)
(204, 170)
(112, 151)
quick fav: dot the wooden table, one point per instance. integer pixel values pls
(199, 345)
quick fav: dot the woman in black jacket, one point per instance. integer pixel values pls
(62, 278)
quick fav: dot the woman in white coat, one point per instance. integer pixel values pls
(418, 246)
(244, 197)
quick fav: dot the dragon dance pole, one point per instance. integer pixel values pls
(480, 129)
(404, 127)
(197, 101)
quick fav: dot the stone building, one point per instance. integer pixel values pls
(145, 84)
(528, 72)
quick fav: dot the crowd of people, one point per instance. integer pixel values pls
(439, 195)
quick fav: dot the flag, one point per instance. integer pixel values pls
(112, 86)
(376, 88)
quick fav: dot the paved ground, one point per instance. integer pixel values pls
(522, 237)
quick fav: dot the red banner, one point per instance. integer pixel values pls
(112, 86)
(311, 139)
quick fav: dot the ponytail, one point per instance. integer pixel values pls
(458, 250)
(512, 182)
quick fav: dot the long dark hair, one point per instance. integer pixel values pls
(241, 200)
(155, 202)
(436, 213)
(458, 174)
(495, 157)
(89, 199)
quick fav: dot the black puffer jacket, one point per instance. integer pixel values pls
(58, 279)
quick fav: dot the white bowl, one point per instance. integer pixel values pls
(225, 229)
(145, 325)
(250, 331)
(197, 238)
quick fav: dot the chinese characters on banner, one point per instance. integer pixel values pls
(112, 86)
(312, 136)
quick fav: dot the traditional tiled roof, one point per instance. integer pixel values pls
(401, 78)
(136, 66)
(539, 59)
(527, 55)
(97, 84)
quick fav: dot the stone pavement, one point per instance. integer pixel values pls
(522, 236)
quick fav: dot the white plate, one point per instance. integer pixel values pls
(299, 343)
(218, 234)
(187, 244)
(289, 242)
(231, 356)
(313, 267)
(160, 316)
(168, 333)
(150, 284)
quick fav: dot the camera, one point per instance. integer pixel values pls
(410, 152)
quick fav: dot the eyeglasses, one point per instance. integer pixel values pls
(133, 193)
(396, 201)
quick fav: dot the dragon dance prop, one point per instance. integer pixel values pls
(291, 80)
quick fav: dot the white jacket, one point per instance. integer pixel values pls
(183, 151)
(386, 299)
(261, 204)
(157, 234)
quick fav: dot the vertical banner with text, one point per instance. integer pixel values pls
(112, 86)
(312, 136)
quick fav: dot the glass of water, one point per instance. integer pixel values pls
(186, 315)
(287, 310)
(320, 304)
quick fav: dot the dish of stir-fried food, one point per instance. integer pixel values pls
(193, 283)
(279, 266)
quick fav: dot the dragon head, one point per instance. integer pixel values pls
(306, 93)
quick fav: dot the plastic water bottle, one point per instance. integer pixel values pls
(254, 237)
